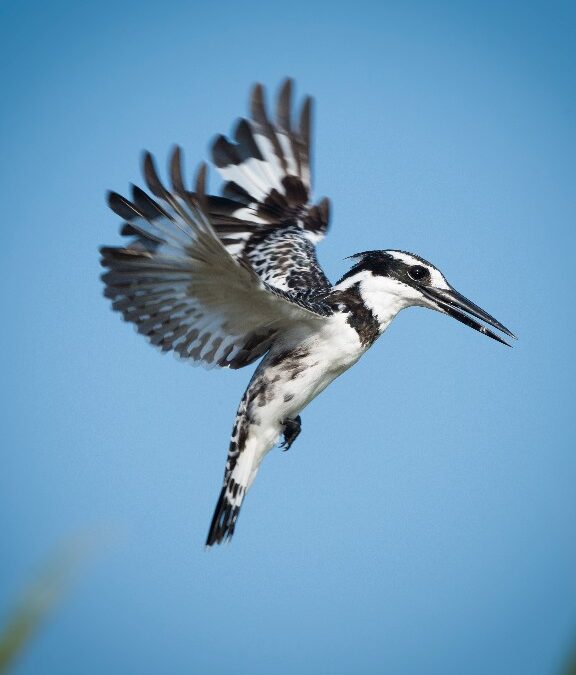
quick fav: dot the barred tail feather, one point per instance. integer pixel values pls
(241, 468)
(236, 484)
(224, 519)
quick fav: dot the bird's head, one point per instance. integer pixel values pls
(389, 281)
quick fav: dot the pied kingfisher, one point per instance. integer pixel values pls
(225, 280)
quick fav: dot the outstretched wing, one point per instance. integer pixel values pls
(265, 215)
(177, 282)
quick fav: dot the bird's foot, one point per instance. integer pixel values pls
(292, 429)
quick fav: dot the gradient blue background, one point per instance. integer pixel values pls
(424, 522)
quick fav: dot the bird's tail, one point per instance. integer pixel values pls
(236, 483)
(241, 469)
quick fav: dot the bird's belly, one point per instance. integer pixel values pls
(293, 373)
(315, 363)
(298, 393)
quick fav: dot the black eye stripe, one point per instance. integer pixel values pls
(418, 272)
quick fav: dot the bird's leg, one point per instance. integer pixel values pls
(292, 429)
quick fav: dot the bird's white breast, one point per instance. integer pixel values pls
(314, 358)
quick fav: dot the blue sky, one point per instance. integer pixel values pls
(423, 523)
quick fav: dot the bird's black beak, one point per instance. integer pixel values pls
(451, 302)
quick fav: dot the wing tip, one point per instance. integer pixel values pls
(151, 174)
(284, 104)
(201, 180)
(176, 173)
(119, 204)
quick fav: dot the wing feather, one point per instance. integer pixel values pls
(182, 289)
(265, 213)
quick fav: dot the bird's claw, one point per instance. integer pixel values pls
(292, 429)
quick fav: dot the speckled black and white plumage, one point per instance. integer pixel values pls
(226, 280)
(163, 281)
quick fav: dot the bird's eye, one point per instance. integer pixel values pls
(418, 273)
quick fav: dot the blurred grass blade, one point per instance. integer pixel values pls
(36, 604)
(571, 668)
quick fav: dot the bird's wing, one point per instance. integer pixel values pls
(177, 282)
(265, 214)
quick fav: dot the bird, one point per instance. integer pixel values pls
(230, 279)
